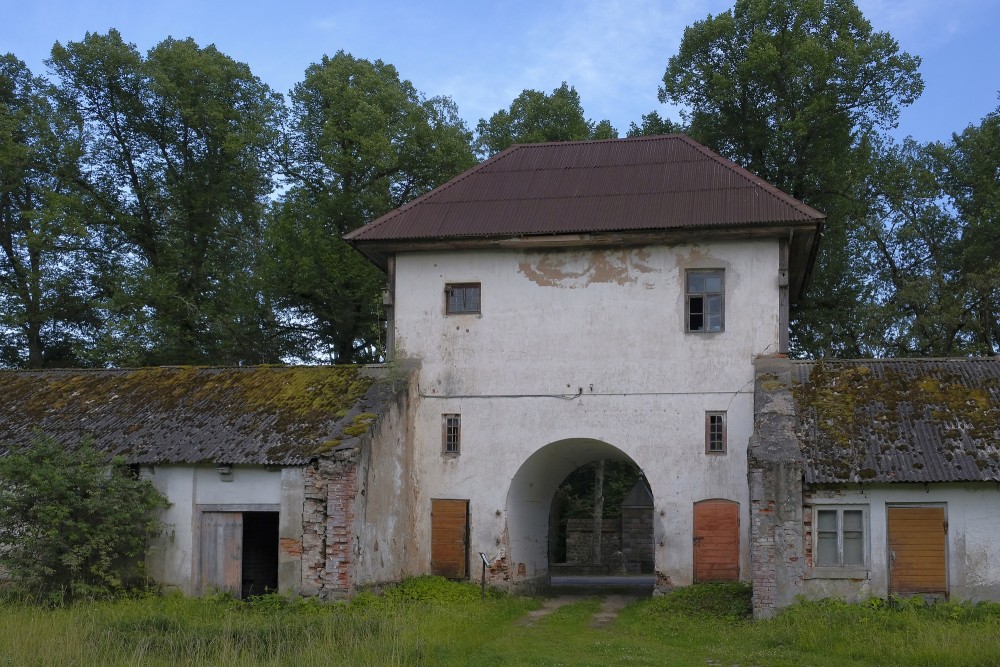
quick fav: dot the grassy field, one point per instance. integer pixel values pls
(431, 622)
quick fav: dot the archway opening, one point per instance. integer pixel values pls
(538, 523)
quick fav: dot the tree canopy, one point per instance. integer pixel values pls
(796, 92)
(535, 117)
(359, 143)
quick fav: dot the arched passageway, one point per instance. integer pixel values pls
(529, 503)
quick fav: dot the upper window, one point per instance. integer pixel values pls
(715, 432)
(840, 537)
(451, 434)
(461, 298)
(705, 300)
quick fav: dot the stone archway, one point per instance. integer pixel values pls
(529, 502)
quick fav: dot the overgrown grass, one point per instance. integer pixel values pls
(428, 621)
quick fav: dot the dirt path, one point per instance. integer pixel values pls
(611, 605)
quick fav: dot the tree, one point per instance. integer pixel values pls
(47, 314)
(653, 124)
(360, 142)
(969, 169)
(796, 92)
(178, 164)
(73, 524)
(535, 117)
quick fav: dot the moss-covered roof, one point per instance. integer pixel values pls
(904, 420)
(272, 415)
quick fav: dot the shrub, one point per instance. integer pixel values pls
(72, 523)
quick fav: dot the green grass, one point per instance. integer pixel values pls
(427, 621)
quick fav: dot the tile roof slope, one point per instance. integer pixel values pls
(641, 183)
(900, 420)
(256, 415)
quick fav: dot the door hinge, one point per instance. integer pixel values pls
(945, 526)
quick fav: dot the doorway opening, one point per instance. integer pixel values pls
(239, 552)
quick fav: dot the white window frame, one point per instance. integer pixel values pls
(841, 569)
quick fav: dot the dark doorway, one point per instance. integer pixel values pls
(260, 553)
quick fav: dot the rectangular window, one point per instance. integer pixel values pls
(451, 433)
(462, 298)
(840, 537)
(715, 432)
(705, 300)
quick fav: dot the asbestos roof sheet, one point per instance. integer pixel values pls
(643, 183)
(905, 420)
(254, 415)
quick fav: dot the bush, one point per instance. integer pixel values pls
(73, 524)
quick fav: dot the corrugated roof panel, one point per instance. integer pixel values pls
(905, 420)
(267, 416)
(641, 183)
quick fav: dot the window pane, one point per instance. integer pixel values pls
(713, 282)
(826, 520)
(472, 299)
(854, 553)
(695, 282)
(826, 549)
(853, 520)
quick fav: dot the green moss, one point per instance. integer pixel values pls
(851, 405)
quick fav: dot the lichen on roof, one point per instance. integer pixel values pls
(265, 415)
(900, 421)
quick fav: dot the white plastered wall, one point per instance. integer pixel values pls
(173, 558)
(575, 346)
(973, 553)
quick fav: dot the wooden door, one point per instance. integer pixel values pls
(716, 541)
(221, 549)
(449, 538)
(917, 550)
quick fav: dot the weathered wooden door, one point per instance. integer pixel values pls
(449, 538)
(917, 550)
(221, 552)
(716, 541)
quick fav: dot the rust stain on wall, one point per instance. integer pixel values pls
(579, 269)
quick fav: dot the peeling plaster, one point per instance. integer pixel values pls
(580, 269)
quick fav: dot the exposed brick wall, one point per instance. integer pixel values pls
(327, 534)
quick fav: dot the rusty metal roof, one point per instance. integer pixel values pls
(901, 420)
(642, 183)
(256, 415)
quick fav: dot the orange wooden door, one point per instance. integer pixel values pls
(716, 541)
(917, 550)
(449, 538)
(221, 552)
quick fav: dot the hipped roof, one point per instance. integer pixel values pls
(256, 415)
(669, 185)
(900, 420)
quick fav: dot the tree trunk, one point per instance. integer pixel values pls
(595, 544)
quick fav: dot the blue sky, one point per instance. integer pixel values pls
(483, 54)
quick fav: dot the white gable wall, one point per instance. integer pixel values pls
(582, 344)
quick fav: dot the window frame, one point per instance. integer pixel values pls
(451, 434)
(704, 295)
(724, 444)
(840, 568)
(465, 309)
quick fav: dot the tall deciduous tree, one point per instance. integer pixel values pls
(794, 91)
(177, 162)
(360, 143)
(534, 117)
(46, 300)
(969, 169)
